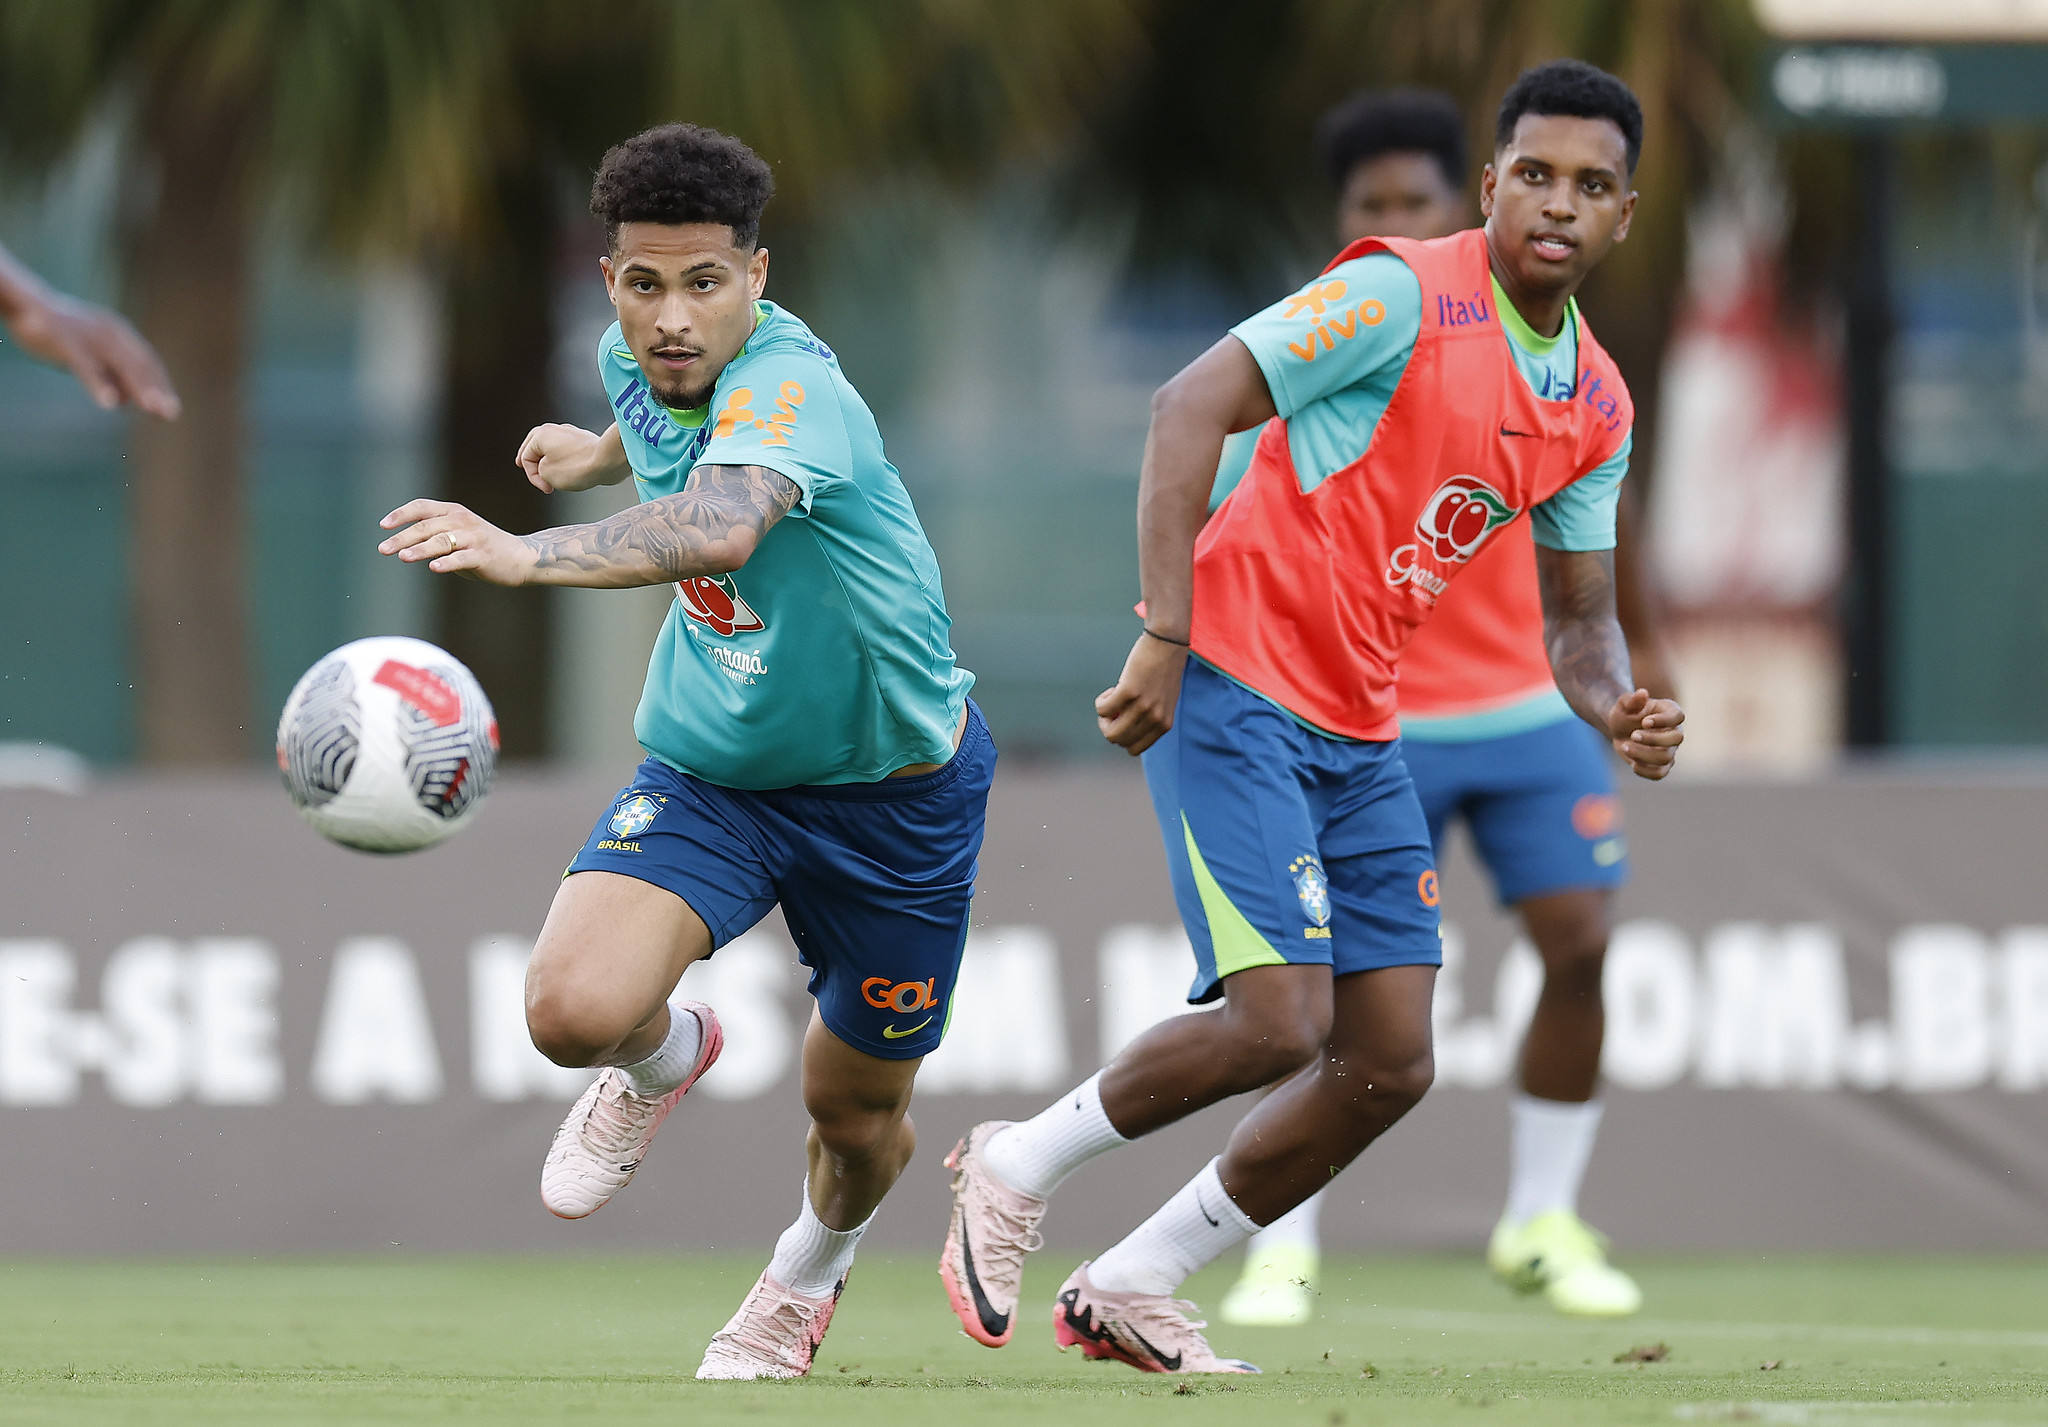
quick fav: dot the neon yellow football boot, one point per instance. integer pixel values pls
(1560, 1256)
(1277, 1289)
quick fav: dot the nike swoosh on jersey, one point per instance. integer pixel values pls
(891, 1033)
(1506, 432)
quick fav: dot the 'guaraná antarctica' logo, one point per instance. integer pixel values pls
(1457, 519)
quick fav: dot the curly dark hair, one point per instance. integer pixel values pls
(1391, 121)
(683, 173)
(1572, 89)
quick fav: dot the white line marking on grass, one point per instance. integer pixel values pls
(1816, 1412)
(1470, 1322)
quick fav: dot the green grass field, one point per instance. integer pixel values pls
(1853, 1340)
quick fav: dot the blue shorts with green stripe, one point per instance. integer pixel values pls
(1286, 845)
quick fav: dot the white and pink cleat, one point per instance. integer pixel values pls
(608, 1132)
(993, 1227)
(776, 1333)
(1151, 1333)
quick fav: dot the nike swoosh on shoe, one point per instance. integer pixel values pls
(1171, 1364)
(995, 1323)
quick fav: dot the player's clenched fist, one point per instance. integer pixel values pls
(454, 540)
(1646, 732)
(1139, 710)
(558, 457)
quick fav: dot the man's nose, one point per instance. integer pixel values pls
(673, 320)
(1560, 200)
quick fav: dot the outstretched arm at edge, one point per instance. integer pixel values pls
(1589, 658)
(109, 357)
(1219, 392)
(711, 527)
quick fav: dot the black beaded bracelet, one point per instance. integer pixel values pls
(1177, 643)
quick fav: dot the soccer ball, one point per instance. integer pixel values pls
(387, 745)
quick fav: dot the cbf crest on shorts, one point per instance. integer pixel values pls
(1312, 887)
(634, 815)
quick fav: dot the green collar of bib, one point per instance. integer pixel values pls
(1522, 334)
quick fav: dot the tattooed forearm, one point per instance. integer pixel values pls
(710, 527)
(1588, 655)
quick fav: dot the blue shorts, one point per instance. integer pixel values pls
(874, 879)
(1540, 804)
(1286, 846)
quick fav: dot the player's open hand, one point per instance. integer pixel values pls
(558, 457)
(455, 541)
(1139, 710)
(108, 356)
(1646, 732)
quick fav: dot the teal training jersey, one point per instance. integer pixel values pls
(825, 658)
(1330, 396)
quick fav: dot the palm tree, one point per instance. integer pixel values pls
(451, 130)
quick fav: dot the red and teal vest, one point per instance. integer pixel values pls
(1310, 597)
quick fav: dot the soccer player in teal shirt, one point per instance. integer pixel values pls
(810, 740)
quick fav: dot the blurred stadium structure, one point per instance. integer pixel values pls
(355, 231)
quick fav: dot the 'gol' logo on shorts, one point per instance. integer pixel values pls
(902, 997)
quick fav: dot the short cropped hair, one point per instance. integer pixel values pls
(1393, 121)
(682, 173)
(1571, 88)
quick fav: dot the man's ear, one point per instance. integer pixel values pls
(757, 273)
(1486, 181)
(1628, 213)
(611, 279)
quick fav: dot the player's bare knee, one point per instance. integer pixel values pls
(1272, 1045)
(1383, 1089)
(573, 1030)
(1283, 1049)
(1570, 931)
(1403, 1085)
(860, 1135)
(1574, 967)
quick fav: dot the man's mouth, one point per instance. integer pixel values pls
(676, 359)
(1552, 247)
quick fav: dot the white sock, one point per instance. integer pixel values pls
(673, 1059)
(1292, 1232)
(1034, 1156)
(810, 1258)
(1198, 1225)
(1553, 1139)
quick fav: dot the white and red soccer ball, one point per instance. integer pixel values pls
(387, 745)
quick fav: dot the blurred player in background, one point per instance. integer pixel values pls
(1488, 737)
(1428, 394)
(809, 735)
(112, 362)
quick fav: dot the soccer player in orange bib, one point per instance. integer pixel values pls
(1405, 421)
(1488, 738)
